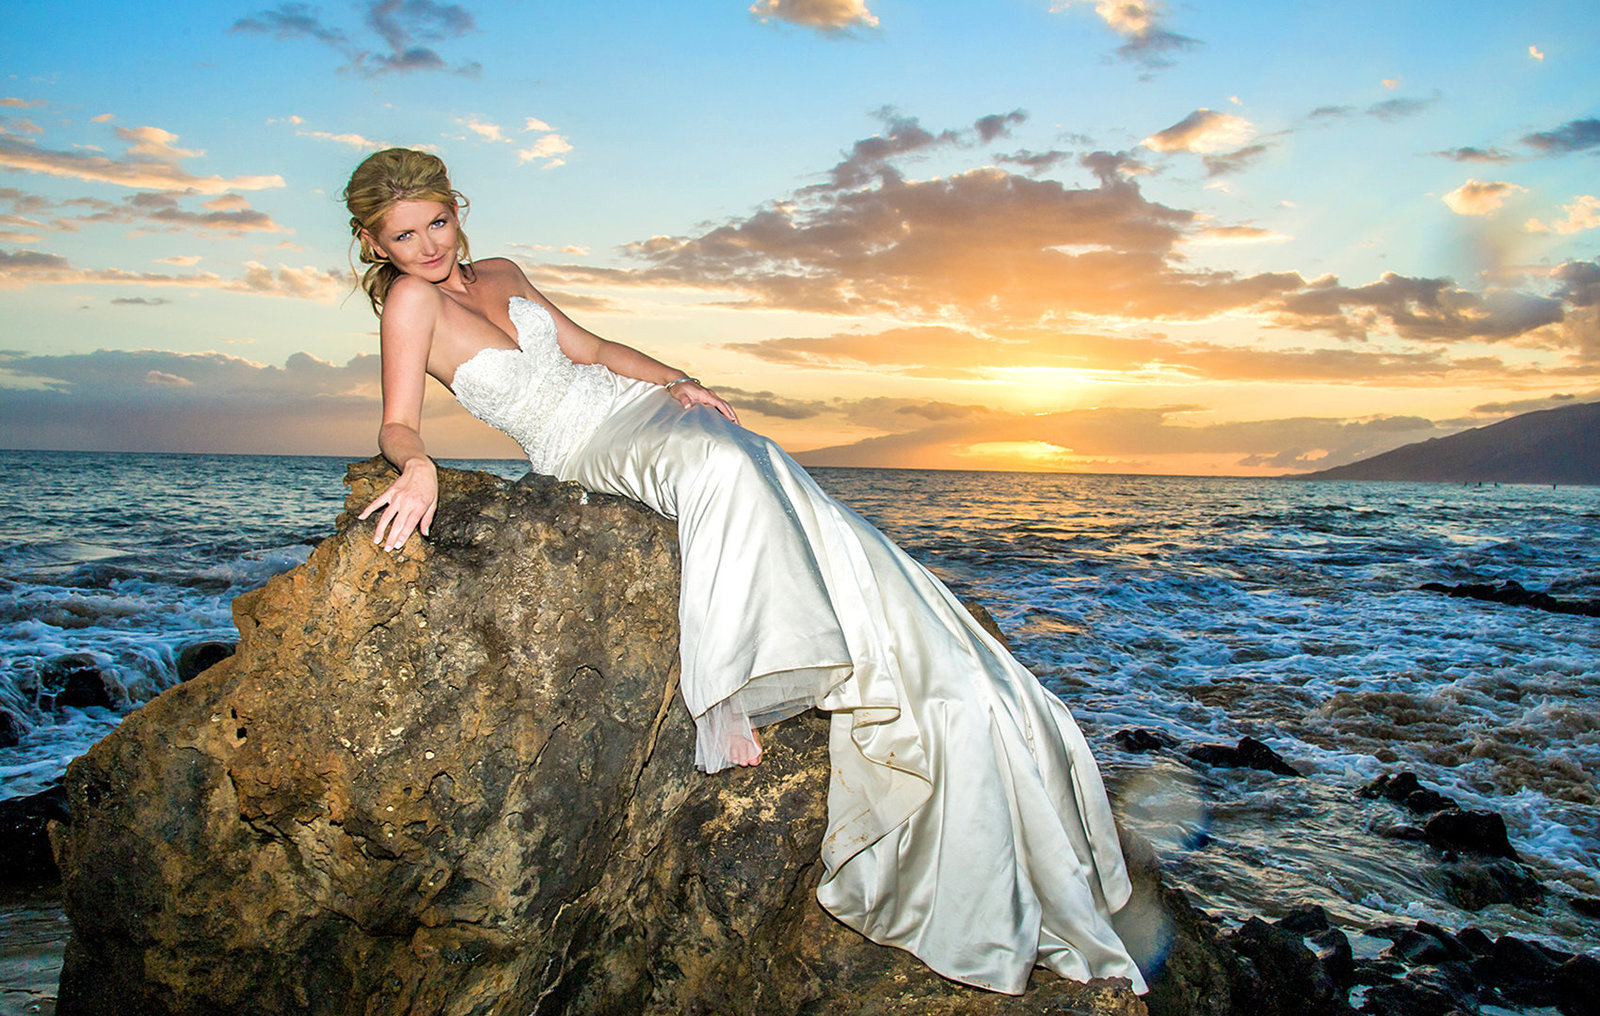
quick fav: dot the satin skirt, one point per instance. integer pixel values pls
(967, 822)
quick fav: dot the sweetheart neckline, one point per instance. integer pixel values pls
(518, 348)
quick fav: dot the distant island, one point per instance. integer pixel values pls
(1550, 446)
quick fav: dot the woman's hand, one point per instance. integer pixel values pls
(693, 393)
(409, 504)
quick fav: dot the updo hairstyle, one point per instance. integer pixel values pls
(383, 179)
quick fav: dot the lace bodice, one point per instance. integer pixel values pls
(549, 404)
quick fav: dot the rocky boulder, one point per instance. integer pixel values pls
(457, 780)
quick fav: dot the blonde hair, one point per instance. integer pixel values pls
(383, 179)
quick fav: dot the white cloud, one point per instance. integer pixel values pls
(549, 148)
(353, 140)
(484, 129)
(1583, 213)
(1204, 130)
(1480, 197)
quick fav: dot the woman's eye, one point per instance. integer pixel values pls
(438, 222)
(402, 236)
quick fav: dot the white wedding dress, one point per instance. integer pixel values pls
(967, 822)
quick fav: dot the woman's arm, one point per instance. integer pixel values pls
(406, 333)
(583, 346)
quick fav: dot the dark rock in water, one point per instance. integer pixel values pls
(1288, 977)
(1577, 986)
(1479, 943)
(1405, 789)
(1332, 949)
(1522, 971)
(1428, 944)
(1425, 991)
(1304, 920)
(1474, 832)
(1401, 831)
(1588, 906)
(11, 729)
(1248, 754)
(1512, 592)
(457, 779)
(24, 836)
(1473, 883)
(75, 680)
(201, 656)
(1140, 739)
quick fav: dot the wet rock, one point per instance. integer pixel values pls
(1428, 944)
(1588, 906)
(201, 656)
(1522, 971)
(1441, 990)
(1141, 739)
(1248, 754)
(1304, 920)
(1474, 832)
(1476, 941)
(458, 779)
(1405, 789)
(1577, 986)
(24, 838)
(1473, 883)
(76, 680)
(1332, 949)
(1287, 976)
(1512, 592)
(11, 729)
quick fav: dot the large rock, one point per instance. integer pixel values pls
(458, 780)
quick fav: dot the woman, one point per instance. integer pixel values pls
(967, 822)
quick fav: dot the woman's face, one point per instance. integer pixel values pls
(419, 238)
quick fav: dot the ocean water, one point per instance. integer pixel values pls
(1201, 607)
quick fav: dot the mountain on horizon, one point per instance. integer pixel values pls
(1547, 446)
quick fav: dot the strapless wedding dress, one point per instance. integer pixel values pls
(967, 822)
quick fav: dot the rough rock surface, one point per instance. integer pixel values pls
(457, 780)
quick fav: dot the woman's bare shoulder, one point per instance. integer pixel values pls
(409, 293)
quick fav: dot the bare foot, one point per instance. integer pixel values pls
(745, 753)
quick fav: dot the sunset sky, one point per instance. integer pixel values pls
(1204, 237)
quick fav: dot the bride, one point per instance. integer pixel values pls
(967, 822)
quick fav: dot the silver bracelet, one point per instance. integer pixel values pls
(679, 381)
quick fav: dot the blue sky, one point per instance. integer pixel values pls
(1207, 237)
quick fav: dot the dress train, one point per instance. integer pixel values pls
(967, 822)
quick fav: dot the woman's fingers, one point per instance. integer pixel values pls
(380, 499)
(403, 511)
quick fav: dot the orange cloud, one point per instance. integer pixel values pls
(830, 16)
(1583, 213)
(19, 269)
(1480, 197)
(960, 355)
(149, 165)
(1204, 130)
